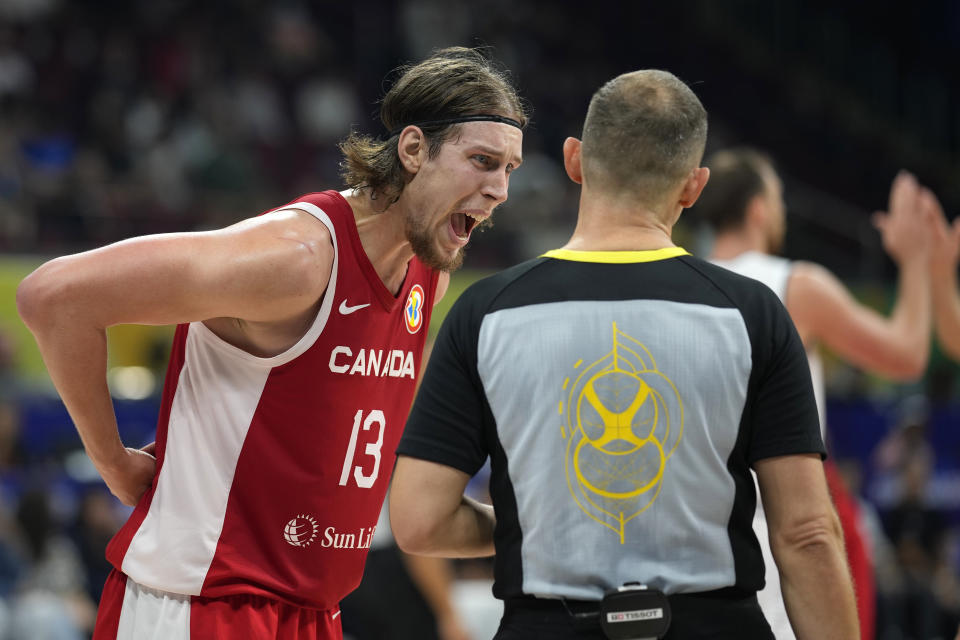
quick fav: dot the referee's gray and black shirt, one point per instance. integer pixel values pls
(622, 398)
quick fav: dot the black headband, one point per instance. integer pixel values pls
(474, 118)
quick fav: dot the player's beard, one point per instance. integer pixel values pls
(422, 239)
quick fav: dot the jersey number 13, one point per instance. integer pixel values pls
(372, 449)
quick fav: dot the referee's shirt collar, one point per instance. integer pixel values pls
(616, 257)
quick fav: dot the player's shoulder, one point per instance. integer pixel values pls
(294, 228)
(812, 273)
(295, 244)
(329, 208)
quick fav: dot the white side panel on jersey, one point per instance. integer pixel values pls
(214, 403)
(148, 614)
(217, 394)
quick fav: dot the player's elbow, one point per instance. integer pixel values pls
(37, 295)
(910, 364)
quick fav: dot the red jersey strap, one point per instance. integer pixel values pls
(341, 214)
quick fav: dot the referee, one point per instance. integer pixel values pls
(623, 390)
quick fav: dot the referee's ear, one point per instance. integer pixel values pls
(571, 159)
(693, 187)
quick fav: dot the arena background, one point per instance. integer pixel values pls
(120, 118)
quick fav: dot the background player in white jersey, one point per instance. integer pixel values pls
(254, 519)
(744, 206)
(623, 390)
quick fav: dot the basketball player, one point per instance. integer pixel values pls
(624, 390)
(946, 293)
(744, 206)
(293, 367)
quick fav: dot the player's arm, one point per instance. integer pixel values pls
(945, 255)
(430, 515)
(897, 346)
(434, 579)
(265, 269)
(807, 543)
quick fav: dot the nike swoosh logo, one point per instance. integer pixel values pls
(334, 616)
(345, 310)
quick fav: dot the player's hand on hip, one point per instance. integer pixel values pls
(904, 226)
(130, 475)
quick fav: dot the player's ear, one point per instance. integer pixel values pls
(756, 213)
(412, 148)
(693, 187)
(571, 159)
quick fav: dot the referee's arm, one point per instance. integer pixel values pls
(430, 516)
(807, 543)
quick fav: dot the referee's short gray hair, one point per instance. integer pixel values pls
(644, 132)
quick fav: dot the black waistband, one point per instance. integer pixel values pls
(728, 612)
(562, 604)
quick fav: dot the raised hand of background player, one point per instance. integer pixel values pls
(945, 238)
(130, 474)
(944, 256)
(904, 226)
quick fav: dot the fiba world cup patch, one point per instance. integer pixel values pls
(413, 309)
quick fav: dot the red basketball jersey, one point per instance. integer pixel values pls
(271, 471)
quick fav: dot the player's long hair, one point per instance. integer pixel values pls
(453, 82)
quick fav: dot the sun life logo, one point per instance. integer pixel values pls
(413, 310)
(301, 531)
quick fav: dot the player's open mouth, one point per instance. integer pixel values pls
(464, 223)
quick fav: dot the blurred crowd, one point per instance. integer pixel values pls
(910, 520)
(125, 118)
(54, 526)
(121, 118)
